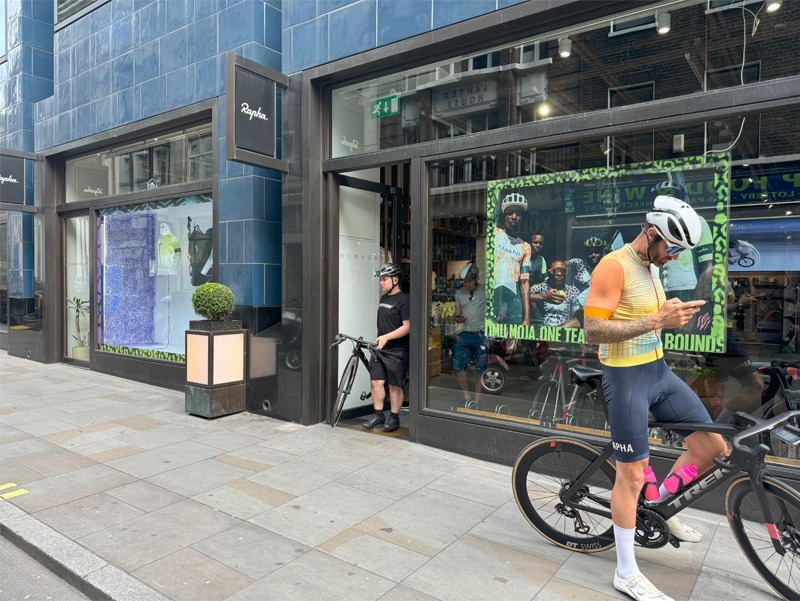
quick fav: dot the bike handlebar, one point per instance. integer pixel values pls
(359, 342)
(755, 426)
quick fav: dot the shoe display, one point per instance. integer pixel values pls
(639, 587)
(683, 532)
(392, 423)
(375, 420)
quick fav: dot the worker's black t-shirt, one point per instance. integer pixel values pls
(393, 310)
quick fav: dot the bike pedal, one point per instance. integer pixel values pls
(674, 542)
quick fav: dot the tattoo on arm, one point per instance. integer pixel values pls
(603, 331)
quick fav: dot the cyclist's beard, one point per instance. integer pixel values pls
(513, 228)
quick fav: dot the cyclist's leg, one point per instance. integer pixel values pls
(675, 401)
(627, 416)
(377, 381)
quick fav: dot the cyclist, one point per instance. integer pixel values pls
(470, 311)
(581, 269)
(390, 364)
(512, 264)
(625, 311)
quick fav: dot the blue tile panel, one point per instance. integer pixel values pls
(339, 28)
(26, 76)
(133, 59)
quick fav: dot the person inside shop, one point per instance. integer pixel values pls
(470, 312)
(625, 312)
(390, 364)
(555, 299)
(512, 264)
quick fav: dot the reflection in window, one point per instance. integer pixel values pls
(163, 161)
(531, 79)
(152, 257)
(78, 301)
(4, 272)
(67, 8)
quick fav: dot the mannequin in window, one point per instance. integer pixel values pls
(168, 250)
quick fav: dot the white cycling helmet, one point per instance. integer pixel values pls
(515, 199)
(675, 221)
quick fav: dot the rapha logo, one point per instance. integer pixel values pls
(8, 179)
(351, 144)
(253, 113)
(623, 447)
(94, 191)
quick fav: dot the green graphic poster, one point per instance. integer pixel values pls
(548, 231)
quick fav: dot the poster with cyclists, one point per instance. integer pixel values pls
(551, 230)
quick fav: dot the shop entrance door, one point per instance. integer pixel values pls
(370, 234)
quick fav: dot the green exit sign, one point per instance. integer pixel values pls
(385, 107)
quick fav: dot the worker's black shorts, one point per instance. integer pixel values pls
(390, 365)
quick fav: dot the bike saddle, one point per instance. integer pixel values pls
(583, 375)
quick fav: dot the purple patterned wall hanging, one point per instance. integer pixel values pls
(129, 287)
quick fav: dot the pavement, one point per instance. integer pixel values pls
(111, 485)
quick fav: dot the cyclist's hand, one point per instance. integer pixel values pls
(381, 341)
(675, 313)
(747, 299)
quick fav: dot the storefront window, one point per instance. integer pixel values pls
(620, 61)
(743, 345)
(151, 257)
(3, 272)
(178, 158)
(78, 300)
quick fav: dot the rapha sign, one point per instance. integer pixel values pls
(255, 117)
(12, 179)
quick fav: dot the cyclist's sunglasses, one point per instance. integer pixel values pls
(672, 251)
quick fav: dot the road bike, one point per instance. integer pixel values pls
(550, 405)
(349, 373)
(740, 252)
(563, 486)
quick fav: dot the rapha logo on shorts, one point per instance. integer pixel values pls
(625, 448)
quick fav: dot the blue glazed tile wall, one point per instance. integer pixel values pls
(129, 60)
(318, 31)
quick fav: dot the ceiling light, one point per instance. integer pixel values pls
(564, 47)
(663, 23)
(773, 5)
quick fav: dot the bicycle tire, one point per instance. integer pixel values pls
(345, 386)
(542, 398)
(781, 572)
(541, 471)
(746, 262)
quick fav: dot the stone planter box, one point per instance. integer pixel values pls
(215, 360)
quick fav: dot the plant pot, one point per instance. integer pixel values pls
(80, 353)
(215, 356)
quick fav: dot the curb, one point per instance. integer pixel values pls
(85, 571)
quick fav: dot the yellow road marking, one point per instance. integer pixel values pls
(7, 485)
(14, 493)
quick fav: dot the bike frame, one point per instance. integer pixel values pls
(739, 461)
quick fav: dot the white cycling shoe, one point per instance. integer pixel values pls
(639, 587)
(683, 532)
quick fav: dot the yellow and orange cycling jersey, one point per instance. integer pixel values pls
(640, 295)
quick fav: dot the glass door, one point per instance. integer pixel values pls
(78, 289)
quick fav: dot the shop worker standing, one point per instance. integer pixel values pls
(470, 311)
(625, 312)
(390, 363)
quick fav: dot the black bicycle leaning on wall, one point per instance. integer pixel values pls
(563, 488)
(349, 373)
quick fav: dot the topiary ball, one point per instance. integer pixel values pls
(213, 301)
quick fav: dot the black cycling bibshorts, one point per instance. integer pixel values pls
(633, 391)
(390, 365)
